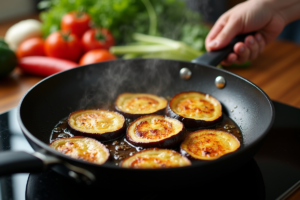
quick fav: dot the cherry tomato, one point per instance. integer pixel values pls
(96, 55)
(97, 39)
(76, 22)
(63, 45)
(31, 47)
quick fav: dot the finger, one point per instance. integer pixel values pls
(231, 58)
(252, 44)
(260, 41)
(226, 63)
(242, 52)
(216, 29)
(227, 33)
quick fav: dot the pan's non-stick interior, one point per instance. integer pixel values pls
(55, 97)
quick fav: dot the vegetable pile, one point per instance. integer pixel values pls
(80, 32)
(168, 18)
(75, 42)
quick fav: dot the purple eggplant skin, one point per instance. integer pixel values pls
(135, 116)
(190, 123)
(165, 143)
(186, 154)
(101, 137)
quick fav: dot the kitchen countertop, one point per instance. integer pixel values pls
(276, 71)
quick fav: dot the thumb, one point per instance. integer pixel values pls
(222, 33)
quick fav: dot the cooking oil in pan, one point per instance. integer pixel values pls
(120, 148)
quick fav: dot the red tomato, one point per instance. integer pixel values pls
(63, 45)
(97, 39)
(44, 66)
(31, 47)
(96, 55)
(76, 22)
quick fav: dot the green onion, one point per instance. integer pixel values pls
(148, 46)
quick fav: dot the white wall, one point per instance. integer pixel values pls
(10, 9)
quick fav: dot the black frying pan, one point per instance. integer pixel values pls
(56, 96)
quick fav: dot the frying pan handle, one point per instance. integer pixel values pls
(215, 57)
(20, 162)
(12, 162)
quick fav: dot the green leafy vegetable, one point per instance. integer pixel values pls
(152, 17)
(167, 18)
(194, 36)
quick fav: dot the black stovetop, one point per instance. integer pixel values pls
(273, 171)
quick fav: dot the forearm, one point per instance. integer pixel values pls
(289, 10)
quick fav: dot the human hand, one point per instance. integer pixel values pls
(252, 15)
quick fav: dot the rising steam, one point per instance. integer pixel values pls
(105, 83)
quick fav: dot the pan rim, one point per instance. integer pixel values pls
(44, 146)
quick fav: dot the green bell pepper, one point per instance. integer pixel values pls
(8, 59)
(3, 43)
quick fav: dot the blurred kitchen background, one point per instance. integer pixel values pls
(210, 9)
(16, 9)
(13, 10)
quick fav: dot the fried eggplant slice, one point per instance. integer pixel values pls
(134, 105)
(83, 148)
(100, 124)
(155, 158)
(208, 144)
(195, 109)
(155, 131)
